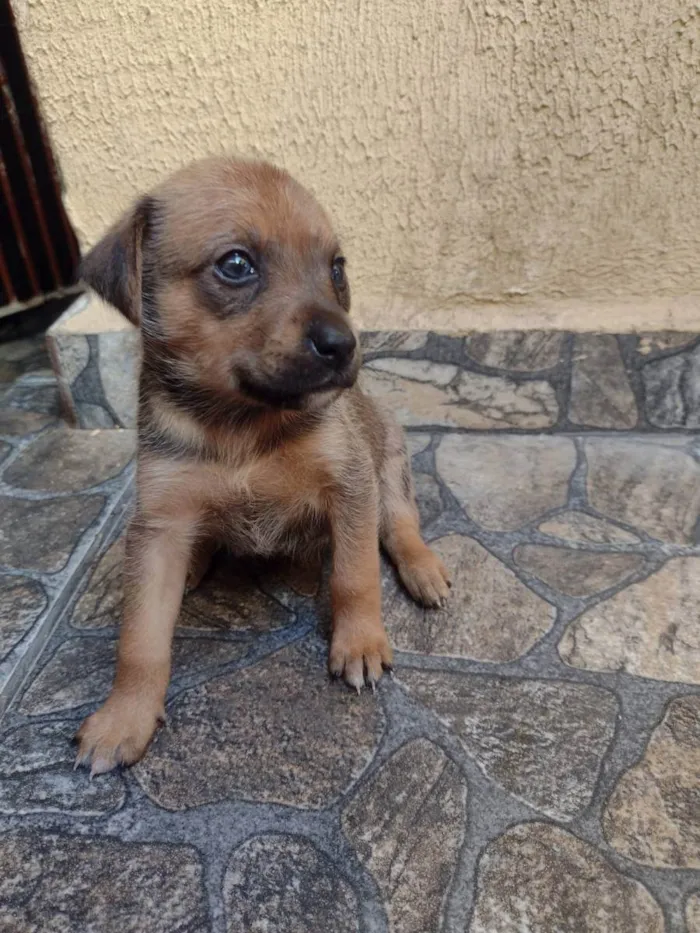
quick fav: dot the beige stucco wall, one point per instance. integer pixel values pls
(489, 162)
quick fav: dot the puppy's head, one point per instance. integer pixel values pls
(235, 276)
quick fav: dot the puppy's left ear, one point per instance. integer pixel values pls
(114, 267)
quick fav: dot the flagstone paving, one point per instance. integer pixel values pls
(534, 763)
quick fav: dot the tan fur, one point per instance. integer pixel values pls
(219, 463)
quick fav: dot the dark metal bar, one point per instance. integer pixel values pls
(29, 176)
(19, 230)
(38, 124)
(5, 278)
(39, 251)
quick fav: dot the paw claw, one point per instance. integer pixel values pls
(360, 660)
(426, 579)
(355, 675)
(101, 766)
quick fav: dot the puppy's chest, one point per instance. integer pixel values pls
(266, 509)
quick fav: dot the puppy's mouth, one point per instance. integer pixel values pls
(294, 392)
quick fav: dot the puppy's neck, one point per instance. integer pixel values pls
(175, 428)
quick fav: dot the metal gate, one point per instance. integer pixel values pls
(38, 249)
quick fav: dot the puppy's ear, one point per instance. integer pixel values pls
(113, 268)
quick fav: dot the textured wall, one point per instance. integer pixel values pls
(487, 158)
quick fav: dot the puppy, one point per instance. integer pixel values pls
(252, 429)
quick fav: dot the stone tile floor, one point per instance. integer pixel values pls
(58, 493)
(533, 767)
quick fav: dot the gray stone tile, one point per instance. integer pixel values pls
(41, 535)
(576, 573)
(93, 417)
(649, 628)
(423, 393)
(417, 442)
(65, 460)
(692, 391)
(577, 527)
(652, 815)
(276, 884)
(667, 439)
(407, 824)
(497, 402)
(31, 396)
(15, 422)
(420, 371)
(692, 913)
(505, 482)
(101, 603)
(22, 602)
(18, 357)
(663, 340)
(524, 351)
(35, 747)
(61, 790)
(37, 775)
(283, 580)
(428, 497)
(73, 354)
(82, 669)
(672, 391)
(276, 732)
(663, 393)
(601, 396)
(646, 485)
(79, 884)
(490, 614)
(247, 737)
(538, 877)
(229, 598)
(543, 741)
(397, 341)
(119, 361)
(98, 375)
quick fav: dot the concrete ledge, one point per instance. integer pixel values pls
(95, 353)
(630, 314)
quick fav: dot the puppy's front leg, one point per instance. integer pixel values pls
(359, 644)
(154, 579)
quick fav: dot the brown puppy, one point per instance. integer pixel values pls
(252, 431)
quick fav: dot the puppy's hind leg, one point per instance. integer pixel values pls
(421, 571)
(203, 552)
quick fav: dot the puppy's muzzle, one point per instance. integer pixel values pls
(332, 341)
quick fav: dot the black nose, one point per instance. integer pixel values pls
(333, 341)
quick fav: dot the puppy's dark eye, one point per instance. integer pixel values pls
(338, 272)
(236, 268)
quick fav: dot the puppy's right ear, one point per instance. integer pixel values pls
(114, 267)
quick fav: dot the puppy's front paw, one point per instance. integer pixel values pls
(118, 733)
(426, 578)
(358, 653)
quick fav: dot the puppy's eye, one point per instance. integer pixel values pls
(338, 272)
(236, 268)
